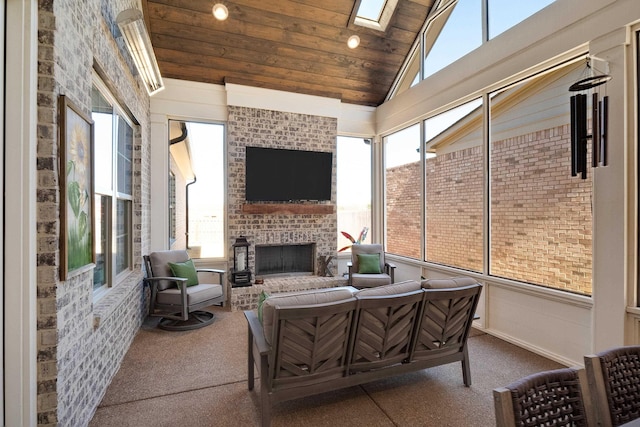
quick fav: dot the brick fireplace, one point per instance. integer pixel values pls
(271, 225)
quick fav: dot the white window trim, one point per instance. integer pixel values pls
(114, 279)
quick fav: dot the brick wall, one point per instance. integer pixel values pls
(403, 210)
(275, 129)
(541, 223)
(454, 209)
(81, 343)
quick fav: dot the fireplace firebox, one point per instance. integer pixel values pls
(285, 259)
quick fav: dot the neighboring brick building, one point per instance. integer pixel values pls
(403, 210)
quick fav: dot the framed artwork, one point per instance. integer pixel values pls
(76, 189)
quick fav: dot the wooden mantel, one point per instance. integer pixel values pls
(288, 208)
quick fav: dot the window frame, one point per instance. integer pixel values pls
(385, 216)
(224, 190)
(369, 141)
(112, 196)
(577, 55)
(430, 32)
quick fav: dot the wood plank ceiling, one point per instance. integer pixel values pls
(292, 45)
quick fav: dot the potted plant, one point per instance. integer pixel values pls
(361, 237)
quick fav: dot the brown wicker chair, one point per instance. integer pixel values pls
(614, 375)
(551, 398)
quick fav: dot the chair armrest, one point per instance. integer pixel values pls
(257, 331)
(390, 268)
(350, 269)
(220, 273)
(156, 279)
(209, 270)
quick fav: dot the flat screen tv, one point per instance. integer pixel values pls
(279, 175)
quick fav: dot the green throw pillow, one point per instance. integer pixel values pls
(369, 264)
(185, 269)
(261, 299)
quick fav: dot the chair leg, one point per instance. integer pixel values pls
(250, 362)
(265, 399)
(466, 371)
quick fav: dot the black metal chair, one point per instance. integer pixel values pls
(180, 306)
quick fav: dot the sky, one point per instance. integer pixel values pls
(463, 31)
(354, 171)
(206, 141)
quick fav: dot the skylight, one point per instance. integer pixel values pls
(374, 14)
(371, 9)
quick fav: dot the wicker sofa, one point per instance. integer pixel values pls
(317, 341)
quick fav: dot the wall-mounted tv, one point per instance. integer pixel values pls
(277, 175)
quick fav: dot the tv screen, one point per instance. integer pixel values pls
(285, 175)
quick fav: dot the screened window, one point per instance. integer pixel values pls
(455, 31)
(403, 191)
(354, 188)
(113, 188)
(504, 14)
(457, 27)
(497, 195)
(540, 219)
(454, 187)
(198, 182)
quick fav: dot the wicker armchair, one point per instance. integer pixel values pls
(614, 375)
(551, 398)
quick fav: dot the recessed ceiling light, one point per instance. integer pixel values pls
(353, 42)
(220, 11)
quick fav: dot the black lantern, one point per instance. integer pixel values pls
(240, 273)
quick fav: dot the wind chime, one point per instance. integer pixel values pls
(599, 121)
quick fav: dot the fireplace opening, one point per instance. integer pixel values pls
(284, 259)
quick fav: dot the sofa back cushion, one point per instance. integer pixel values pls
(453, 282)
(391, 289)
(289, 299)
